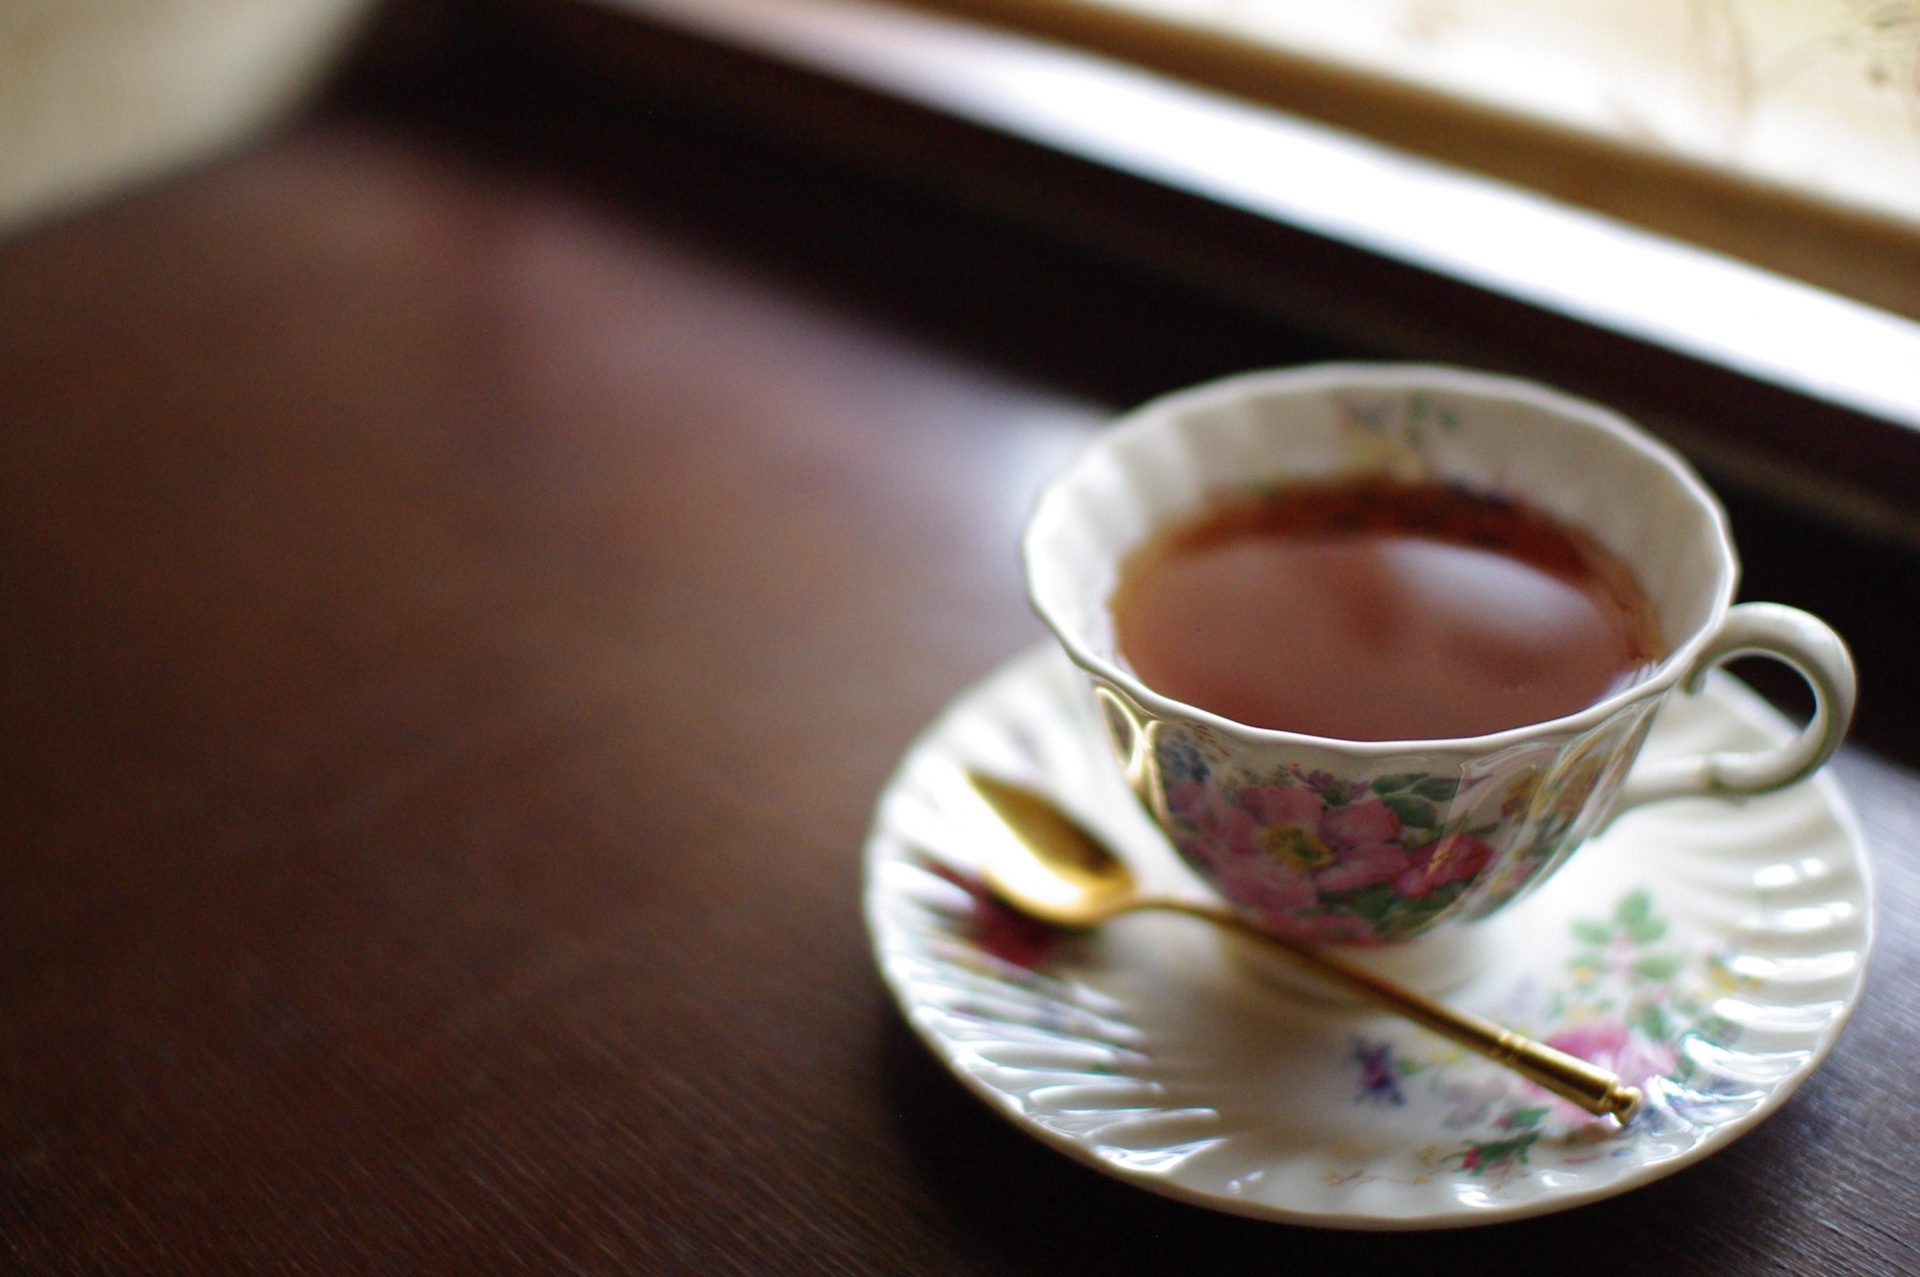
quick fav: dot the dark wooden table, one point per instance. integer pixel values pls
(463, 588)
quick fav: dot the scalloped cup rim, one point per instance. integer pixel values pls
(1318, 377)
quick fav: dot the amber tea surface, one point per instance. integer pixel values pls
(1378, 610)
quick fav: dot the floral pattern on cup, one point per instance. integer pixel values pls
(1379, 859)
(1335, 841)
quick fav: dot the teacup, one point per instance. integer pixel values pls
(1278, 822)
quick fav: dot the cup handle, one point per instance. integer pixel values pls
(1816, 653)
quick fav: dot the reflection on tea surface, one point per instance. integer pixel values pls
(1376, 610)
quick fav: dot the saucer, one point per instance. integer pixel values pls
(1709, 951)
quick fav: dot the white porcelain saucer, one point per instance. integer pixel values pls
(1712, 950)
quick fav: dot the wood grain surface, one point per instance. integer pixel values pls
(457, 615)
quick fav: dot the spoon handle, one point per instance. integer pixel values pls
(1593, 1088)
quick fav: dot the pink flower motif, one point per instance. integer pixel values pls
(1198, 852)
(1643, 1059)
(1363, 866)
(1281, 805)
(1188, 798)
(1613, 1045)
(1000, 931)
(1230, 830)
(1356, 823)
(1453, 859)
(1271, 890)
(1593, 1040)
(1233, 831)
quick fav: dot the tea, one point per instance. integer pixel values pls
(1379, 610)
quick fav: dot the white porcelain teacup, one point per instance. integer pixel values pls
(1449, 830)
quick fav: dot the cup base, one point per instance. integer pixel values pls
(1432, 965)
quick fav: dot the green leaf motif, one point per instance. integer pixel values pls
(1438, 900)
(1438, 788)
(1634, 907)
(1587, 931)
(1372, 903)
(1647, 930)
(1652, 1023)
(1411, 915)
(1396, 782)
(1495, 1153)
(1657, 966)
(1524, 1119)
(1417, 812)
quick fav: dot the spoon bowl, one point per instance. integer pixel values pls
(1052, 869)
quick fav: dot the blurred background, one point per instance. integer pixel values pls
(1783, 131)
(489, 489)
(96, 94)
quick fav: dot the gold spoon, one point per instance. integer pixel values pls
(1059, 873)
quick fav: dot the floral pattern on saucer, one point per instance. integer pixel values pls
(1626, 1000)
(1712, 951)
